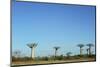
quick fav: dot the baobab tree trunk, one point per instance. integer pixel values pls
(55, 53)
(80, 51)
(90, 51)
(33, 53)
(87, 51)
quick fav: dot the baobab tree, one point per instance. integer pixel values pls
(32, 46)
(56, 49)
(80, 46)
(90, 46)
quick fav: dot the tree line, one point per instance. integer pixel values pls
(16, 54)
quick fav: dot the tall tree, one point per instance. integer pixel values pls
(81, 50)
(56, 49)
(90, 46)
(32, 46)
(87, 51)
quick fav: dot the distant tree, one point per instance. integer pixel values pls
(56, 49)
(90, 46)
(80, 46)
(17, 53)
(68, 54)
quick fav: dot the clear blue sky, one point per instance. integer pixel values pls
(52, 25)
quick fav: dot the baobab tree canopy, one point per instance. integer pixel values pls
(90, 45)
(32, 45)
(56, 48)
(80, 45)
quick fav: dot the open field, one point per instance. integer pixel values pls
(18, 63)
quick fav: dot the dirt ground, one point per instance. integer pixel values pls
(51, 62)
